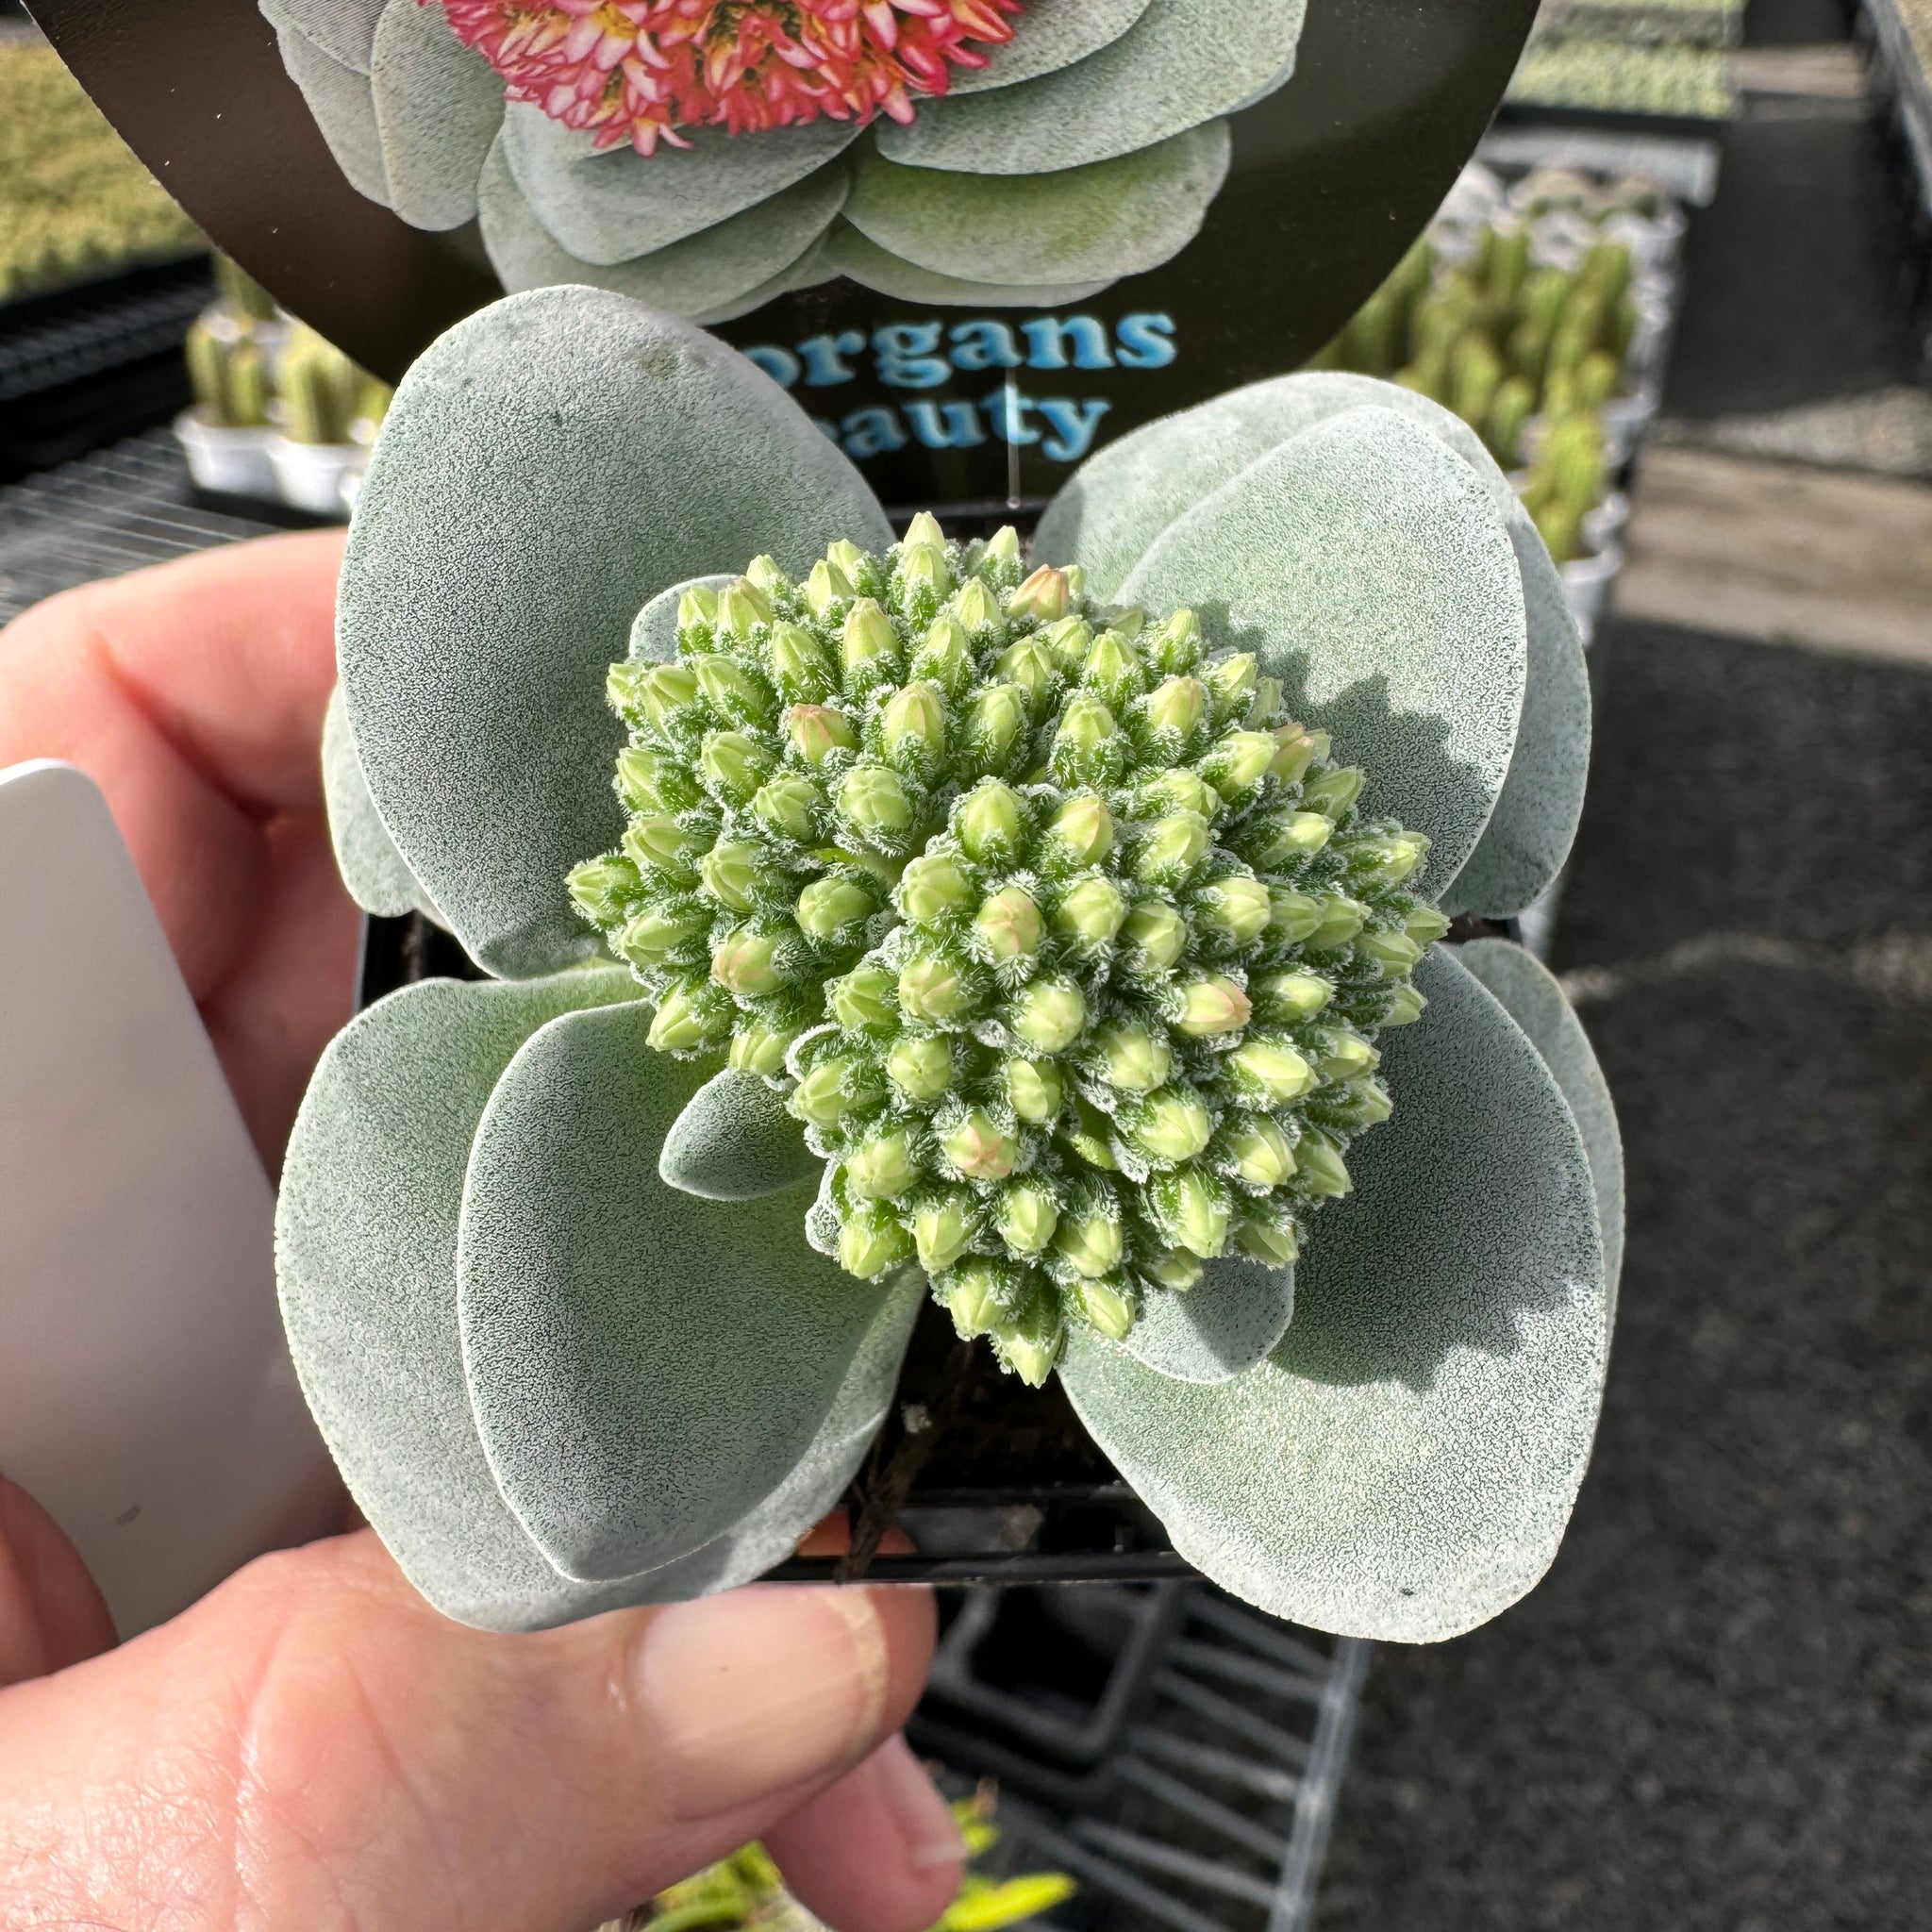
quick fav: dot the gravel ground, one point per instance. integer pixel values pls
(1717, 1711)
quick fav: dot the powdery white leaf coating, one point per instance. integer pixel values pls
(1111, 511)
(1405, 1463)
(342, 102)
(439, 105)
(644, 1366)
(849, 253)
(1231, 1319)
(1114, 218)
(1366, 566)
(718, 265)
(1051, 34)
(548, 465)
(1535, 1001)
(1181, 63)
(733, 1142)
(345, 29)
(615, 206)
(377, 875)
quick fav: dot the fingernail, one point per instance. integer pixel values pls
(921, 1817)
(758, 1691)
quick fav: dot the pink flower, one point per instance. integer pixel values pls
(641, 70)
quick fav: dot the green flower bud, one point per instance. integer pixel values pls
(1234, 911)
(923, 574)
(1266, 709)
(1405, 1007)
(943, 1226)
(749, 963)
(995, 722)
(1211, 1005)
(884, 1167)
(991, 823)
(1034, 1088)
(660, 694)
(1088, 1238)
(1343, 1054)
(871, 1241)
(735, 764)
(1068, 642)
(1386, 858)
(1425, 924)
(687, 1023)
(828, 906)
(1002, 553)
(1395, 953)
(1171, 848)
(1193, 1208)
(975, 1294)
(1009, 925)
(651, 840)
(1031, 1348)
(846, 557)
(1155, 936)
(946, 656)
(1293, 915)
(1107, 1308)
(976, 607)
(817, 731)
(742, 606)
(1239, 762)
(1335, 791)
(913, 729)
(1177, 704)
(1081, 831)
(924, 528)
(1271, 1070)
(1028, 667)
(869, 647)
(1342, 919)
(791, 806)
(827, 586)
(649, 781)
(660, 930)
(933, 887)
(1289, 996)
(728, 687)
(603, 889)
(1295, 749)
(875, 801)
(921, 1067)
(758, 1048)
(730, 872)
(1085, 746)
(1091, 913)
(1113, 669)
(865, 1000)
(1179, 788)
(1048, 1014)
(1286, 838)
(933, 988)
(1176, 645)
(836, 1085)
(1169, 1126)
(1360, 1103)
(1090, 1137)
(1233, 681)
(1258, 1150)
(765, 576)
(1177, 1270)
(1323, 1170)
(1043, 595)
(980, 1149)
(1131, 1057)
(697, 611)
(1272, 1239)
(1026, 1215)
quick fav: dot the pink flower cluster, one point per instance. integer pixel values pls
(639, 70)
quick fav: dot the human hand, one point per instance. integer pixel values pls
(312, 1746)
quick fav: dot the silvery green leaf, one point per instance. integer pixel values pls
(1112, 218)
(377, 875)
(1231, 1319)
(1370, 570)
(344, 30)
(733, 1142)
(1183, 62)
(1051, 34)
(439, 105)
(1535, 1001)
(653, 633)
(807, 272)
(716, 267)
(365, 1256)
(342, 102)
(1113, 509)
(548, 465)
(1404, 1465)
(614, 206)
(645, 1366)
(850, 253)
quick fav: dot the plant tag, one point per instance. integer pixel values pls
(146, 1397)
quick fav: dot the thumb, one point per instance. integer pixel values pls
(312, 1744)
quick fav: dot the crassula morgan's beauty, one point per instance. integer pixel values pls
(1029, 929)
(1066, 948)
(707, 155)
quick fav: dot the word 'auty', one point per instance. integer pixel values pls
(930, 355)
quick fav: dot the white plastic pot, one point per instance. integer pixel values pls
(309, 475)
(1587, 585)
(235, 462)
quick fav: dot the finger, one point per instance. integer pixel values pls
(878, 1851)
(51, 1615)
(334, 1752)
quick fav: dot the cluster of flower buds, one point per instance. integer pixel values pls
(1068, 946)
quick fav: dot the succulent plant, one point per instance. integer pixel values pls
(706, 158)
(549, 1285)
(321, 396)
(228, 373)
